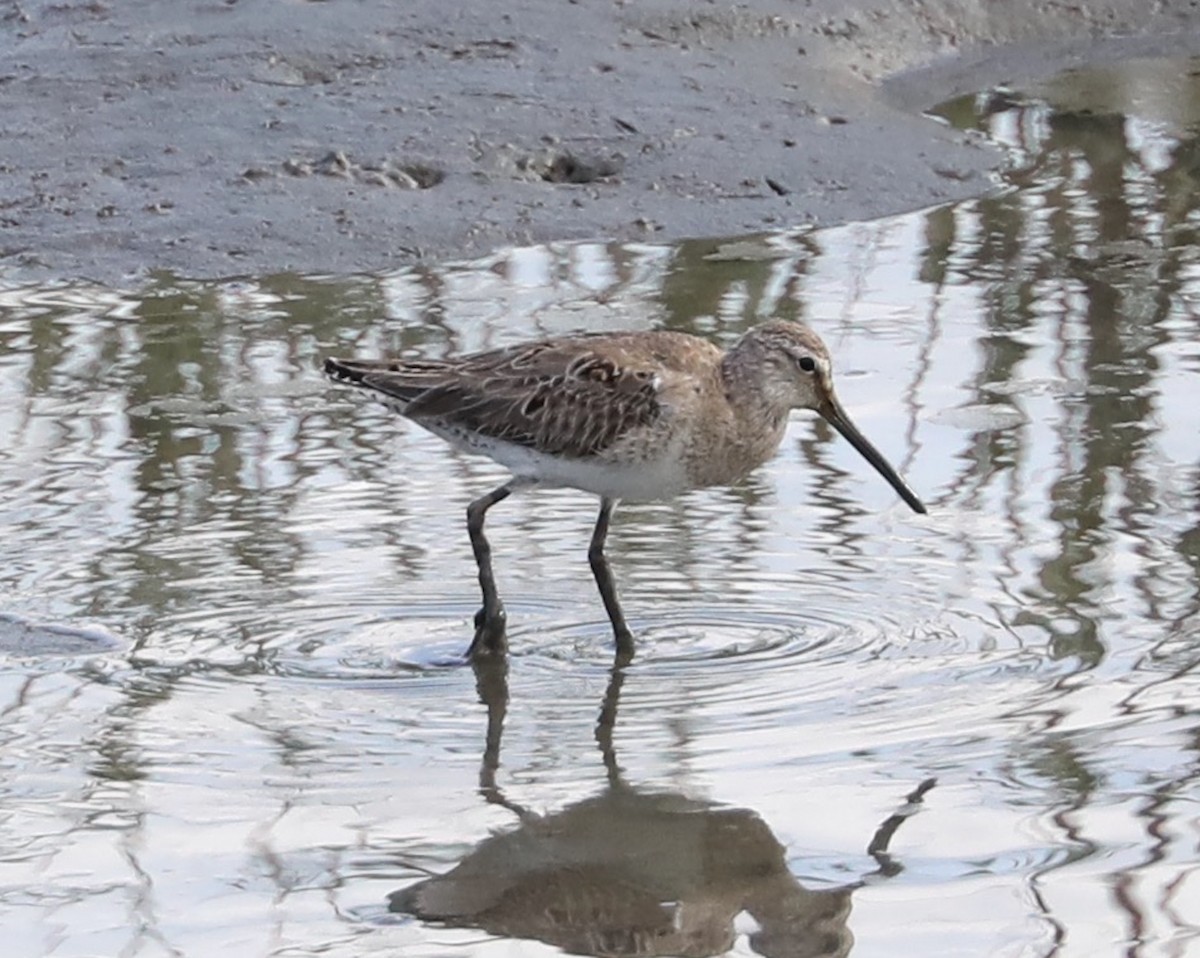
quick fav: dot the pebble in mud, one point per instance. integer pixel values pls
(388, 173)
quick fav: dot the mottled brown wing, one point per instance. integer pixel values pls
(564, 398)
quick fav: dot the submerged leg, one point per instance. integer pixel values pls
(489, 620)
(604, 580)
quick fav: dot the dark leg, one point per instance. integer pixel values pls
(604, 579)
(491, 682)
(489, 620)
(607, 723)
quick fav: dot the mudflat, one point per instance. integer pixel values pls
(231, 137)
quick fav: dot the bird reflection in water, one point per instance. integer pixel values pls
(633, 872)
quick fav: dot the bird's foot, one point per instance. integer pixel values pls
(624, 642)
(491, 635)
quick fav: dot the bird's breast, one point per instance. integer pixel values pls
(726, 453)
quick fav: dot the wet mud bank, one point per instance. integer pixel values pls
(224, 138)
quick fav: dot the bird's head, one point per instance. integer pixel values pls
(797, 373)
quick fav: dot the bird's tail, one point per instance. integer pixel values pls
(396, 381)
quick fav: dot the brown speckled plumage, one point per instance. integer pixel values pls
(564, 397)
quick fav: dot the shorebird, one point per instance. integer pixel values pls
(632, 415)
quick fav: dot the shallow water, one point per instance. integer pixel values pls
(233, 716)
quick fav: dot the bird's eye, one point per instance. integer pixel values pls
(807, 363)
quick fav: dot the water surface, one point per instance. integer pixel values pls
(233, 596)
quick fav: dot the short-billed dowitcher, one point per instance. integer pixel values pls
(636, 415)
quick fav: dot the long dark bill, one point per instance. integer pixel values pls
(835, 415)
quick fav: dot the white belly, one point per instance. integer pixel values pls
(660, 477)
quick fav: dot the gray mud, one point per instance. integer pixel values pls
(221, 138)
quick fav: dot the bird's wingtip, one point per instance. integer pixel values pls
(342, 370)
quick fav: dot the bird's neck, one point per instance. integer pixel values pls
(760, 415)
(747, 388)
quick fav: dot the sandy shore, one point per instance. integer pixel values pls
(237, 137)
